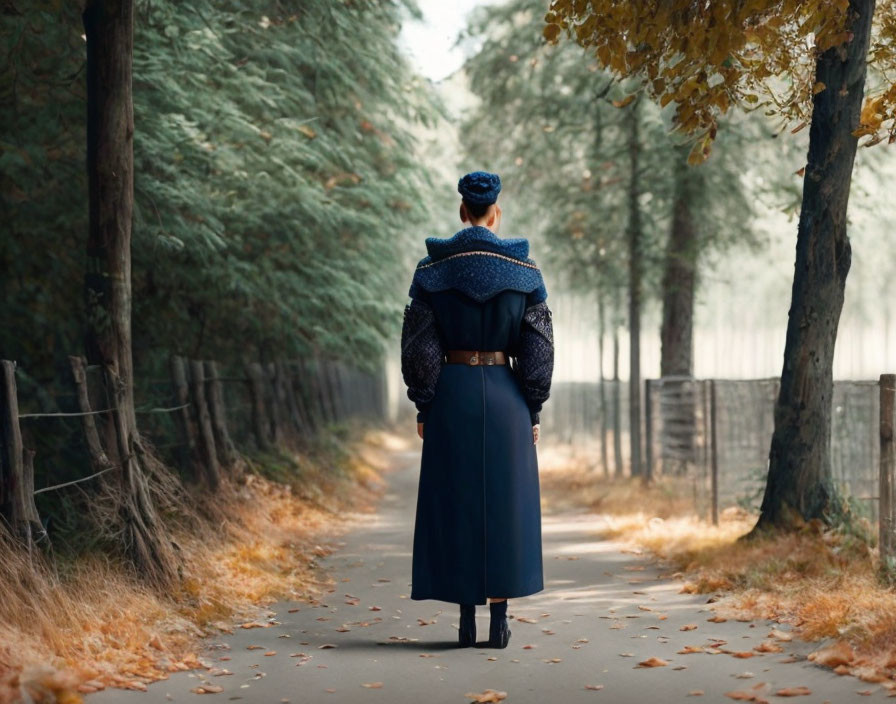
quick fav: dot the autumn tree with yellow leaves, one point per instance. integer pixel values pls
(803, 62)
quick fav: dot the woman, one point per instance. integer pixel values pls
(477, 304)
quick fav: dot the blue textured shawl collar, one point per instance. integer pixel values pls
(478, 263)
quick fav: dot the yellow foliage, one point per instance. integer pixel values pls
(761, 50)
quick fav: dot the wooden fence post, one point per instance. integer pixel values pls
(276, 407)
(306, 398)
(714, 476)
(189, 450)
(13, 502)
(260, 422)
(99, 460)
(37, 532)
(287, 380)
(207, 452)
(648, 429)
(887, 512)
(227, 454)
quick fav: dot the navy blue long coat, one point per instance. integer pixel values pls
(478, 520)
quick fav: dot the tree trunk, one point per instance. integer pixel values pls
(799, 483)
(208, 453)
(604, 420)
(109, 33)
(635, 263)
(227, 454)
(679, 280)
(188, 449)
(617, 405)
(677, 400)
(260, 422)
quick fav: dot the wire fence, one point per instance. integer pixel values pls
(715, 434)
(196, 420)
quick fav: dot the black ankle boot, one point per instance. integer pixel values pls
(498, 631)
(467, 634)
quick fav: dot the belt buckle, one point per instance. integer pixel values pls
(490, 360)
(474, 359)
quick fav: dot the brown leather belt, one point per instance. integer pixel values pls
(475, 357)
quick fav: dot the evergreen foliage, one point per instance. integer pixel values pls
(275, 186)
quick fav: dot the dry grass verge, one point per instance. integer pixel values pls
(96, 626)
(823, 582)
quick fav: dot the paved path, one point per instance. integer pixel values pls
(602, 612)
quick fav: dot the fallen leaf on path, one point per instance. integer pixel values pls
(292, 611)
(373, 685)
(653, 662)
(343, 629)
(627, 655)
(427, 655)
(489, 695)
(554, 660)
(270, 653)
(254, 624)
(793, 692)
(207, 689)
(524, 619)
(595, 687)
(780, 635)
(689, 649)
(375, 608)
(717, 619)
(327, 645)
(743, 654)
(582, 640)
(424, 622)
(529, 646)
(745, 675)
(768, 646)
(644, 608)
(688, 627)
(747, 697)
(254, 647)
(695, 693)
(547, 631)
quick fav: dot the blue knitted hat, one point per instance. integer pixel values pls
(479, 187)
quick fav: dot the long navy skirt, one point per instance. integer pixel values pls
(478, 521)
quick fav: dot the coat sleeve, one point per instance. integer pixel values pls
(421, 355)
(535, 357)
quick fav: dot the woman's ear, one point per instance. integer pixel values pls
(463, 213)
(495, 215)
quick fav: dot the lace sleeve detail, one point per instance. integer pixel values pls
(535, 357)
(421, 355)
